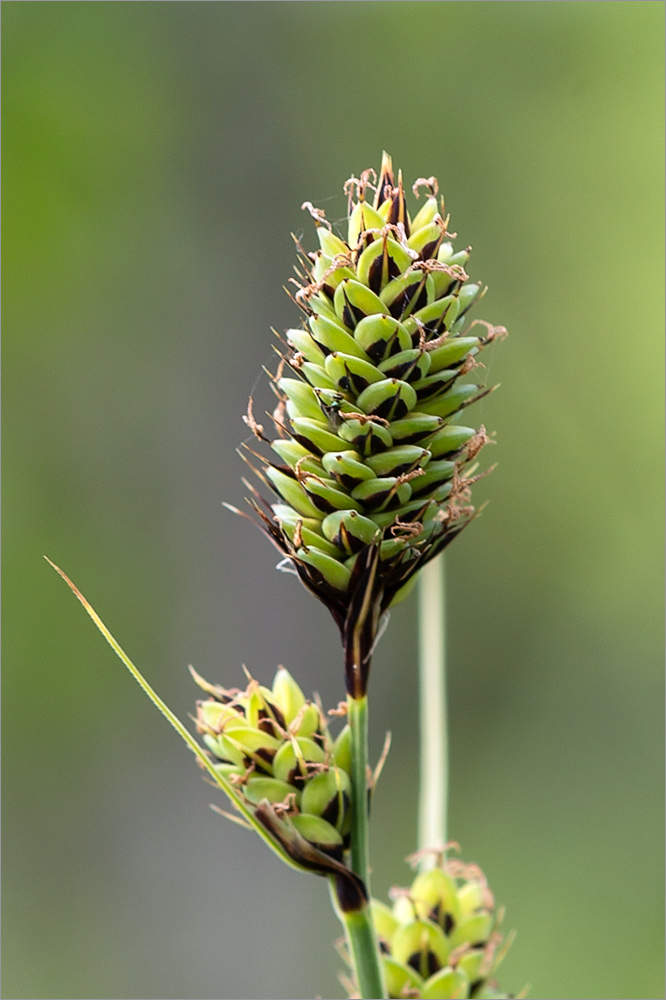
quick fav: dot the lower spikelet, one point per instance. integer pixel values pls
(440, 939)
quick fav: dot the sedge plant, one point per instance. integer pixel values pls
(364, 480)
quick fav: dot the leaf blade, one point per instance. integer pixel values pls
(175, 722)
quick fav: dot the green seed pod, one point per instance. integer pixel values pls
(252, 741)
(224, 749)
(303, 401)
(421, 944)
(318, 832)
(456, 259)
(412, 364)
(385, 922)
(257, 788)
(293, 453)
(333, 572)
(349, 530)
(433, 319)
(380, 367)
(399, 460)
(471, 897)
(401, 980)
(381, 261)
(308, 539)
(316, 375)
(415, 427)
(446, 252)
(434, 894)
(425, 214)
(262, 712)
(287, 695)
(453, 274)
(377, 494)
(471, 963)
(301, 341)
(409, 292)
(291, 760)
(452, 400)
(392, 547)
(449, 439)
(319, 304)
(230, 771)
(427, 240)
(346, 468)
(292, 493)
(381, 336)
(446, 983)
(351, 373)
(466, 296)
(452, 352)
(406, 512)
(330, 272)
(307, 722)
(213, 715)
(304, 531)
(368, 436)
(325, 495)
(435, 385)
(390, 399)
(476, 928)
(362, 218)
(331, 336)
(354, 301)
(342, 749)
(327, 795)
(436, 473)
(330, 244)
(316, 435)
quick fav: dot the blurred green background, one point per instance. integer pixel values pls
(155, 159)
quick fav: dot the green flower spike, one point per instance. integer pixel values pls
(441, 938)
(275, 749)
(373, 470)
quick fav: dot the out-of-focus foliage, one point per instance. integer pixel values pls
(155, 158)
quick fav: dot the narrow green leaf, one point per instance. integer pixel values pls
(187, 738)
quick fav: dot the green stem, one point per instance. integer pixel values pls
(434, 766)
(363, 950)
(357, 714)
(360, 930)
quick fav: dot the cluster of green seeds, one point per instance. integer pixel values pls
(370, 393)
(440, 938)
(275, 748)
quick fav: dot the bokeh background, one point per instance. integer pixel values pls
(155, 159)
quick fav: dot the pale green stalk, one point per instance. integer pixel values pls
(434, 763)
(359, 926)
(363, 951)
(357, 714)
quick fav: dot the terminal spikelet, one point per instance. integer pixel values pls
(371, 467)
